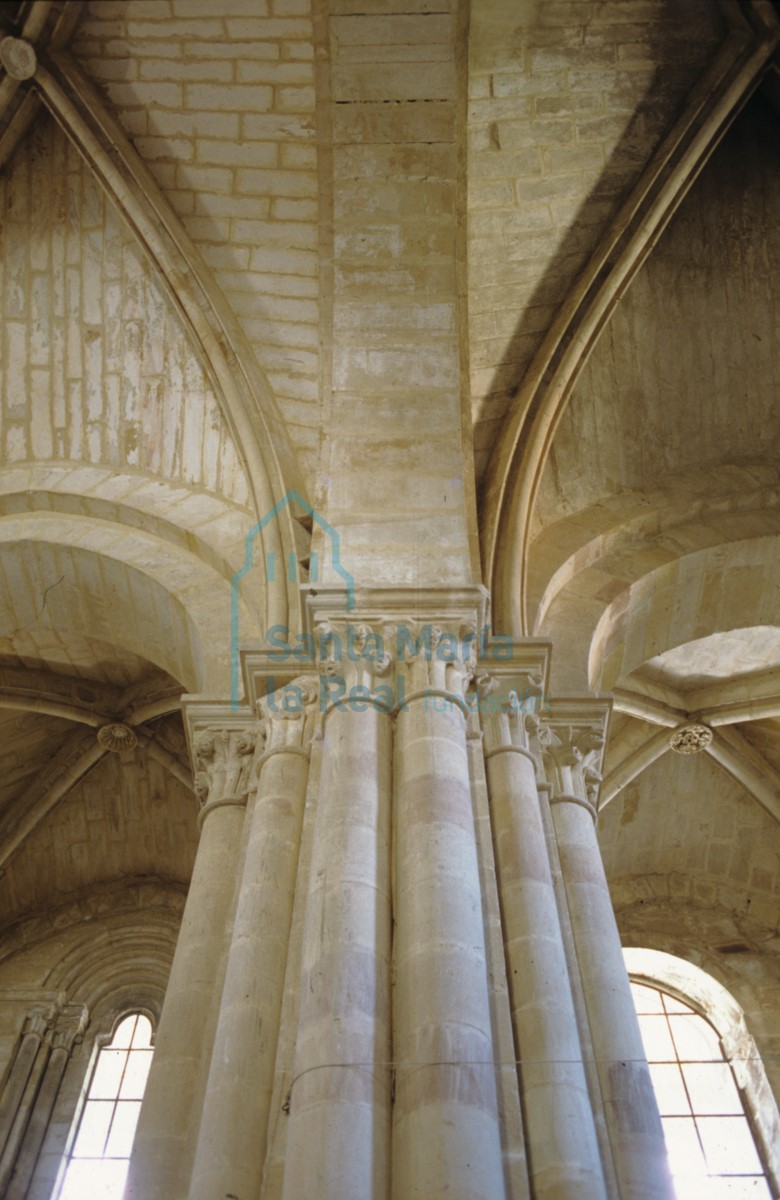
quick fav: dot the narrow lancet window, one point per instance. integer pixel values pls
(100, 1153)
(713, 1154)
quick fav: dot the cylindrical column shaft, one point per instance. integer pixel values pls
(17, 1082)
(24, 1111)
(338, 1138)
(231, 1146)
(562, 1145)
(446, 1140)
(38, 1124)
(634, 1126)
(166, 1112)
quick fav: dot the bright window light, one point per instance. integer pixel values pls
(712, 1152)
(98, 1163)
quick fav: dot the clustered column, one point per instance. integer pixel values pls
(22, 1070)
(389, 1051)
(31, 1091)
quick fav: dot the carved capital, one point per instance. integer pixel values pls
(354, 654)
(287, 717)
(69, 1027)
(508, 716)
(223, 760)
(434, 658)
(572, 759)
(39, 1020)
(399, 642)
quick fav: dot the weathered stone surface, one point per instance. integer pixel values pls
(398, 974)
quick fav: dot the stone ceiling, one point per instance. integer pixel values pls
(567, 103)
(659, 483)
(655, 542)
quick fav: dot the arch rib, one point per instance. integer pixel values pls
(520, 455)
(245, 394)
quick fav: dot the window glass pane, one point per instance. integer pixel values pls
(104, 1139)
(712, 1152)
(683, 1148)
(108, 1074)
(695, 1039)
(737, 1188)
(120, 1140)
(646, 999)
(729, 1146)
(669, 1090)
(95, 1180)
(93, 1129)
(712, 1089)
(136, 1071)
(142, 1038)
(673, 1005)
(655, 1037)
(124, 1033)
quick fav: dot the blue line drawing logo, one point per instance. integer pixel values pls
(291, 497)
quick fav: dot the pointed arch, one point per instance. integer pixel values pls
(243, 391)
(521, 453)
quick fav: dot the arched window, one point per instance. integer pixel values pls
(709, 1128)
(100, 1151)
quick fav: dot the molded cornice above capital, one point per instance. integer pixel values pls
(446, 607)
(200, 713)
(364, 638)
(34, 998)
(264, 670)
(515, 665)
(580, 712)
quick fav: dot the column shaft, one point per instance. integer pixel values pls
(338, 1137)
(446, 1140)
(16, 1083)
(562, 1145)
(159, 1147)
(635, 1132)
(233, 1129)
(24, 1111)
(38, 1124)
